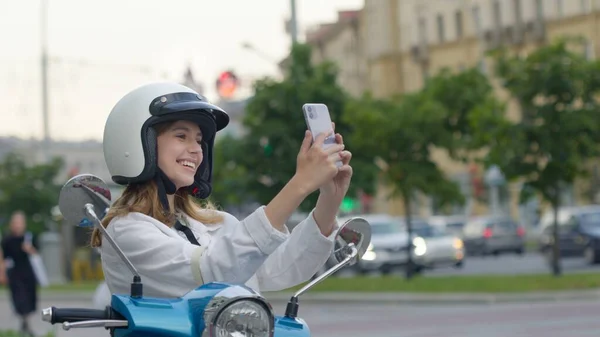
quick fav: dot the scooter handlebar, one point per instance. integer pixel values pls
(55, 315)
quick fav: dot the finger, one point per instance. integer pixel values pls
(306, 141)
(345, 169)
(339, 139)
(337, 148)
(320, 140)
(333, 126)
(346, 157)
(335, 157)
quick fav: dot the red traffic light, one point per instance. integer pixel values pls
(227, 84)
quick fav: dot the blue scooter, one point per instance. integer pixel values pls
(211, 310)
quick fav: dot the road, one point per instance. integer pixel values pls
(511, 264)
(573, 319)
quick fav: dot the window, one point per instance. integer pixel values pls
(518, 11)
(585, 6)
(382, 228)
(590, 220)
(440, 28)
(539, 9)
(477, 19)
(458, 17)
(422, 31)
(559, 8)
(497, 15)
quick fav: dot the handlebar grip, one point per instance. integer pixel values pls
(61, 315)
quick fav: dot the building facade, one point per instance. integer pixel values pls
(402, 42)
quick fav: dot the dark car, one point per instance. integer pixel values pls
(578, 236)
(493, 235)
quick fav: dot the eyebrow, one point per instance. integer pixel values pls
(184, 128)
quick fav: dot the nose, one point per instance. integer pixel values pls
(195, 147)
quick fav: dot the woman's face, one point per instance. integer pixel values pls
(179, 152)
(17, 224)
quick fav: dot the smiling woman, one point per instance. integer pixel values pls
(158, 141)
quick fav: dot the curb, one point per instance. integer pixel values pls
(442, 298)
(381, 298)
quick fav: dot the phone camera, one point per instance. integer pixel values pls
(311, 115)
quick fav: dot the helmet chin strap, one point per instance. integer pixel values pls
(165, 187)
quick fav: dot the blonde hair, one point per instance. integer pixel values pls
(143, 198)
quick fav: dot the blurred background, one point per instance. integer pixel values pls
(474, 127)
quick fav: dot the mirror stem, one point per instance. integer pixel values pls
(291, 311)
(136, 286)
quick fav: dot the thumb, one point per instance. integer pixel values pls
(306, 142)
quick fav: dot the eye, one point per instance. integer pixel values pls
(182, 136)
(199, 141)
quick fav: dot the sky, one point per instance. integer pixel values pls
(99, 50)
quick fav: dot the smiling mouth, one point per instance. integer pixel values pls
(187, 164)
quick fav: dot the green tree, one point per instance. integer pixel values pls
(400, 135)
(556, 89)
(31, 189)
(464, 96)
(229, 175)
(276, 127)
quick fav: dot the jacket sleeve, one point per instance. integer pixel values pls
(233, 257)
(298, 258)
(236, 254)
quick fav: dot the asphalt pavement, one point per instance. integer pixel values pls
(559, 319)
(337, 314)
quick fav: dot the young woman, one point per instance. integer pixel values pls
(158, 141)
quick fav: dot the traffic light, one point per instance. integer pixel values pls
(227, 84)
(268, 149)
(349, 204)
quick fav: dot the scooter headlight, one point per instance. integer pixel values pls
(238, 312)
(243, 318)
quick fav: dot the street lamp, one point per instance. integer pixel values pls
(494, 178)
(250, 47)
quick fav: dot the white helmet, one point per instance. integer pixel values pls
(130, 141)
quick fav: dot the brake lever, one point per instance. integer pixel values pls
(104, 323)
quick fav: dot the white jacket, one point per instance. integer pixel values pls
(249, 252)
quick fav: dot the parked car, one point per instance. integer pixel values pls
(579, 234)
(388, 248)
(451, 224)
(493, 235)
(436, 247)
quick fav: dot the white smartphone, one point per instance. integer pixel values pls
(318, 121)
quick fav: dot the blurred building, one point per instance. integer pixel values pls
(342, 43)
(409, 40)
(397, 44)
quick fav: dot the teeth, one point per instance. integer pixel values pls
(188, 164)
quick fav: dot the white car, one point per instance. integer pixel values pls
(388, 248)
(435, 247)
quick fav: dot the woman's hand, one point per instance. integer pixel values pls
(336, 188)
(333, 192)
(28, 248)
(315, 166)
